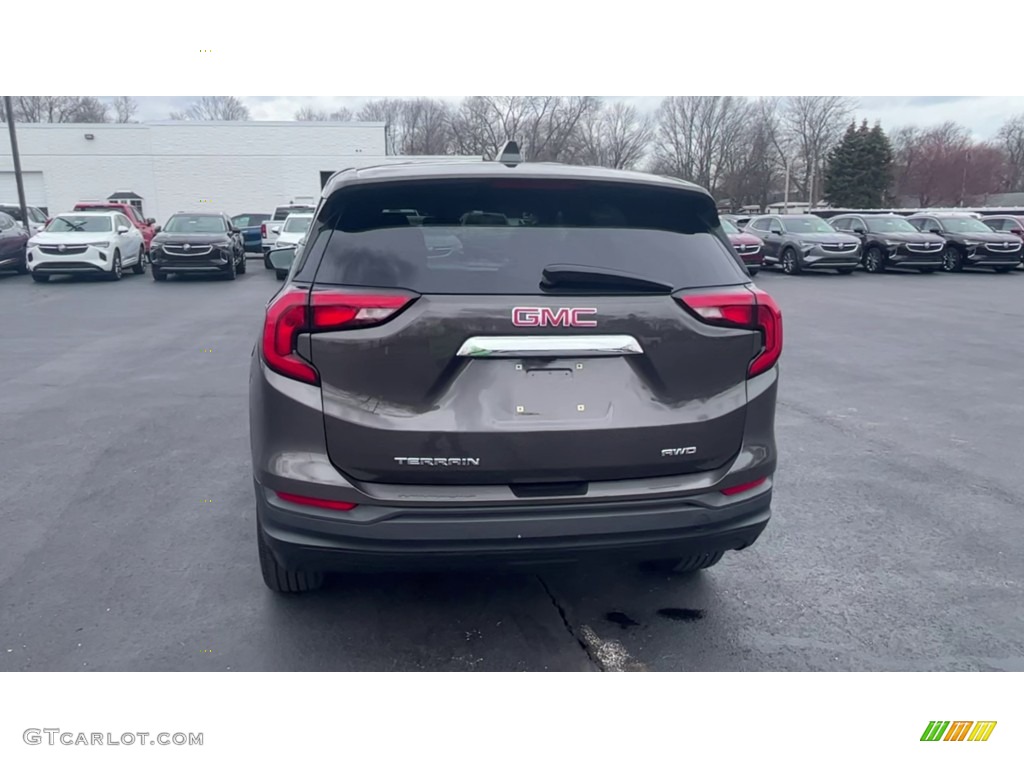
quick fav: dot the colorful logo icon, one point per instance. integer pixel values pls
(958, 730)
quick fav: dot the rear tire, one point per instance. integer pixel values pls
(158, 275)
(282, 580)
(686, 564)
(753, 270)
(40, 278)
(139, 267)
(266, 261)
(281, 275)
(790, 264)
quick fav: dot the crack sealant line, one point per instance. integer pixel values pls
(606, 655)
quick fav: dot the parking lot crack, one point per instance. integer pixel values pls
(585, 637)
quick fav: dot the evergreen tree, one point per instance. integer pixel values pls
(859, 170)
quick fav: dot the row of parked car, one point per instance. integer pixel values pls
(107, 238)
(925, 241)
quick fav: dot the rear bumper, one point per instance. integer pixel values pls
(389, 537)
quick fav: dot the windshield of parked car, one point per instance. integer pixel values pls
(196, 225)
(729, 227)
(895, 224)
(297, 223)
(81, 224)
(807, 224)
(965, 224)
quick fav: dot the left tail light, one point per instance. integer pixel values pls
(296, 310)
(744, 307)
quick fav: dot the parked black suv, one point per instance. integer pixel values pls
(890, 241)
(970, 242)
(593, 374)
(192, 243)
(799, 242)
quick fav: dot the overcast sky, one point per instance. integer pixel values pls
(982, 115)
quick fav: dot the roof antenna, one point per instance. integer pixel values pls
(510, 154)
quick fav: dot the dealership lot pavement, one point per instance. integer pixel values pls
(127, 522)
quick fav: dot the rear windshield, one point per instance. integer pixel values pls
(283, 213)
(497, 236)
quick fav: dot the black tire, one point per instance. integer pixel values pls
(40, 278)
(22, 269)
(874, 260)
(266, 261)
(159, 275)
(1004, 270)
(242, 266)
(753, 270)
(790, 263)
(684, 565)
(116, 272)
(282, 580)
(952, 260)
(926, 270)
(139, 267)
(229, 271)
(845, 271)
(281, 274)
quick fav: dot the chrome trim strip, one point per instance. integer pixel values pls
(550, 346)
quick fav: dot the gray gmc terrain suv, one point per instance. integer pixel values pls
(545, 363)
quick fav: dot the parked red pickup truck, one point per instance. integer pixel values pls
(145, 226)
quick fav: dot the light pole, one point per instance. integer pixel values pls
(9, 109)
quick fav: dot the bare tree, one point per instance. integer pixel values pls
(214, 108)
(812, 125)
(425, 127)
(752, 166)
(615, 136)
(1011, 139)
(59, 109)
(340, 115)
(125, 108)
(696, 135)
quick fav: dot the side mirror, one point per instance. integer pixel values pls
(281, 258)
(858, 230)
(150, 222)
(123, 230)
(935, 231)
(276, 230)
(776, 231)
(156, 229)
(236, 231)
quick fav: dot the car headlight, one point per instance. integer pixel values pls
(972, 242)
(892, 243)
(807, 244)
(102, 244)
(32, 243)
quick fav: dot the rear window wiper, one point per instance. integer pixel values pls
(580, 277)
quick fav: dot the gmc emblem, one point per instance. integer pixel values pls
(540, 316)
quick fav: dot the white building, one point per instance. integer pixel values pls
(234, 167)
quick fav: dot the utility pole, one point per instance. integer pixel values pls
(9, 109)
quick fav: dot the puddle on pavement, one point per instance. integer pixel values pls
(681, 614)
(624, 621)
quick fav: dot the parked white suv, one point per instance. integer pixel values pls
(293, 232)
(103, 242)
(270, 230)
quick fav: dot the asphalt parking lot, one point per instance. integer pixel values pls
(127, 513)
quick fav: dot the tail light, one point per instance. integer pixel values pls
(309, 501)
(296, 310)
(736, 489)
(263, 230)
(746, 307)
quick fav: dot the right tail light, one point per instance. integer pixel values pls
(744, 307)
